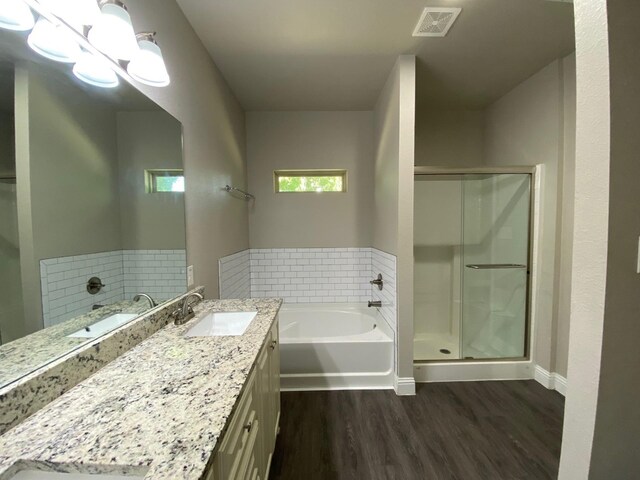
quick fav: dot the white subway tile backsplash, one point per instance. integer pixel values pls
(385, 263)
(235, 275)
(313, 275)
(303, 275)
(159, 273)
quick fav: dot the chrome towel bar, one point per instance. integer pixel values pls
(491, 266)
(246, 195)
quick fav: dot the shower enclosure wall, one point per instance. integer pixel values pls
(471, 265)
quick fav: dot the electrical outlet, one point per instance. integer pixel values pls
(190, 280)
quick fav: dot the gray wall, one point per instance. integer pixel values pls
(149, 140)
(564, 242)
(310, 140)
(394, 141)
(386, 166)
(449, 138)
(590, 266)
(66, 162)
(10, 284)
(7, 144)
(214, 138)
(616, 450)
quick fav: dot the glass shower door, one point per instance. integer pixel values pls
(495, 265)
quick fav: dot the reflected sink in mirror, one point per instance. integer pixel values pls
(91, 207)
(103, 326)
(221, 324)
(38, 475)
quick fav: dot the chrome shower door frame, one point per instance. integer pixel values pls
(533, 173)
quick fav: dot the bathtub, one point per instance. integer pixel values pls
(327, 346)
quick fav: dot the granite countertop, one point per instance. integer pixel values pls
(160, 408)
(22, 356)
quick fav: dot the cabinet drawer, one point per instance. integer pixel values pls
(236, 438)
(245, 458)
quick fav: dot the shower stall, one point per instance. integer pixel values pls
(472, 231)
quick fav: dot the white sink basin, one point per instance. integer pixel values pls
(221, 324)
(103, 326)
(37, 475)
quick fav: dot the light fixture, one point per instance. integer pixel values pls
(60, 34)
(95, 71)
(53, 41)
(147, 65)
(16, 15)
(74, 12)
(112, 33)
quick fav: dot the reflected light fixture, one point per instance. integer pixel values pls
(54, 42)
(16, 15)
(147, 65)
(75, 12)
(112, 32)
(95, 71)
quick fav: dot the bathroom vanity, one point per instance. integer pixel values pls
(173, 407)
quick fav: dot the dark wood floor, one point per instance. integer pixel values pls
(466, 431)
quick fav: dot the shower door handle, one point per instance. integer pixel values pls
(492, 266)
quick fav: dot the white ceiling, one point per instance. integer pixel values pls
(337, 54)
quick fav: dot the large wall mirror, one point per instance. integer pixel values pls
(91, 208)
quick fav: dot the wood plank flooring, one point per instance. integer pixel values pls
(466, 431)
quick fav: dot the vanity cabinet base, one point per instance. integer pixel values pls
(247, 447)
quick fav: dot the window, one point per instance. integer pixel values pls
(309, 181)
(164, 181)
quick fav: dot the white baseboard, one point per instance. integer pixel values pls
(338, 381)
(552, 381)
(405, 385)
(472, 371)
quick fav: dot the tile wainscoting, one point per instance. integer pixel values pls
(311, 275)
(234, 275)
(159, 273)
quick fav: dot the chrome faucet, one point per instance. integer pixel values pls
(374, 303)
(147, 297)
(185, 313)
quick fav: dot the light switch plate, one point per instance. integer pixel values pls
(190, 281)
(638, 266)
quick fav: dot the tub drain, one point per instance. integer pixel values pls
(445, 351)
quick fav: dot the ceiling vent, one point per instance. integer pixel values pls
(436, 21)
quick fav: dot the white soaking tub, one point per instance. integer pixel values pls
(327, 346)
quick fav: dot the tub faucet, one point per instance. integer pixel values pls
(185, 313)
(147, 297)
(374, 303)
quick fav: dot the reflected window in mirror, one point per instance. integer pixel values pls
(164, 181)
(75, 212)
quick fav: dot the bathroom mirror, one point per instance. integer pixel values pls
(91, 208)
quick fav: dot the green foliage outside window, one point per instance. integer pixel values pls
(164, 181)
(292, 182)
(170, 184)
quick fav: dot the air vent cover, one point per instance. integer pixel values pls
(436, 21)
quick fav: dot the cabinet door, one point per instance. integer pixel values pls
(274, 365)
(262, 386)
(243, 463)
(236, 439)
(273, 404)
